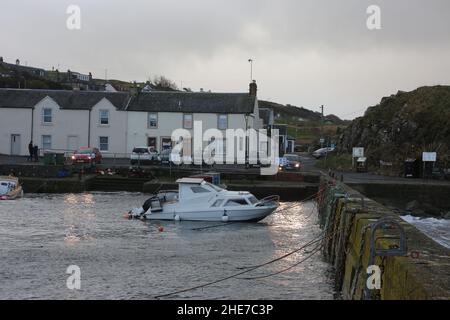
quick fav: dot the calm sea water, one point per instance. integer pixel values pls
(42, 235)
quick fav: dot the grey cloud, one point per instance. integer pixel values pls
(305, 51)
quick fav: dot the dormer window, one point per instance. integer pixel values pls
(47, 117)
(104, 117)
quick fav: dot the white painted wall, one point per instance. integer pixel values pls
(15, 121)
(169, 121)
(115, 130)
(65, 123)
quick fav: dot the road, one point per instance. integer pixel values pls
(308, 166)
(368, 177)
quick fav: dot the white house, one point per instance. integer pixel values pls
(153, 116)
(61, 120)
(115, 122)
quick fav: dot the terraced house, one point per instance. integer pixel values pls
(115, 122)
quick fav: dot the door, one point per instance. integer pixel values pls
(15, 144)
(72, 143)
(151, 143)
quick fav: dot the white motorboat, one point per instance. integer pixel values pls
(198, 200)
(10, 188)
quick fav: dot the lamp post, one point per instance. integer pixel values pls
(251, 69)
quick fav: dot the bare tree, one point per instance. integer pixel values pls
(162, 82)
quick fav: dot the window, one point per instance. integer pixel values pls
(236, 202)
(47, 115)
(218, 203)
(187, 121)
(104, 117)
(46, 142)
(103, 143)
(199, 190)
(253, 200)
(152, 121)
(222, 121)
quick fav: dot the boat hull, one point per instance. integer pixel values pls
(253, 214)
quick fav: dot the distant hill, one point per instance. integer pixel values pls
(299, 114)
(404, 125)
(306, 125)
(19, 78)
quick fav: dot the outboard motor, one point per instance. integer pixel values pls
(148, 203)
(137, 213)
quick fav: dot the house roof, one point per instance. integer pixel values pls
(198, 102)
(156, 101)
(75, 100)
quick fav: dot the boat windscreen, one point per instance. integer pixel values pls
(253, 200)
(216, 188)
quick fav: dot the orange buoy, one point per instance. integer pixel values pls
(160, 229)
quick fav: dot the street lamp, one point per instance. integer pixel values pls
(251, 69)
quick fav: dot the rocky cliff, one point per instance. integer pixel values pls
(403, 125)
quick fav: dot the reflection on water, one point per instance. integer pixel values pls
(121, 259)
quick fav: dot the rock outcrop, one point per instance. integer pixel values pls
(403, 126)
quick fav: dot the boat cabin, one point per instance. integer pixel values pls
(191, 188)
(196, 188)
(7, 184)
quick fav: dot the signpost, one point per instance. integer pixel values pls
(358, 152)
(427, 159)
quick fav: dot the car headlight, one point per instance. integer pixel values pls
(73, 157)
(297, 165)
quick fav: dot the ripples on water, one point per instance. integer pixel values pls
(41, 235)
(436, 229)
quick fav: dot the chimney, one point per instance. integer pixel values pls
(253, 88)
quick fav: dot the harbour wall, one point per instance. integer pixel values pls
(349, 219)
(289, 190)
(436, 194)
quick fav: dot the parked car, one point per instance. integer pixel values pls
(320, 153)
(87, 155)
(143, 155)
(437, 174)
(294, 162)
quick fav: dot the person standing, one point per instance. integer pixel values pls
(30, 151)
(35, 152)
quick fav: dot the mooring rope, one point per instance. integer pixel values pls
(312, 253)
(239, 273)
(319, 238)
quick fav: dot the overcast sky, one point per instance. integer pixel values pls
(306, 52)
